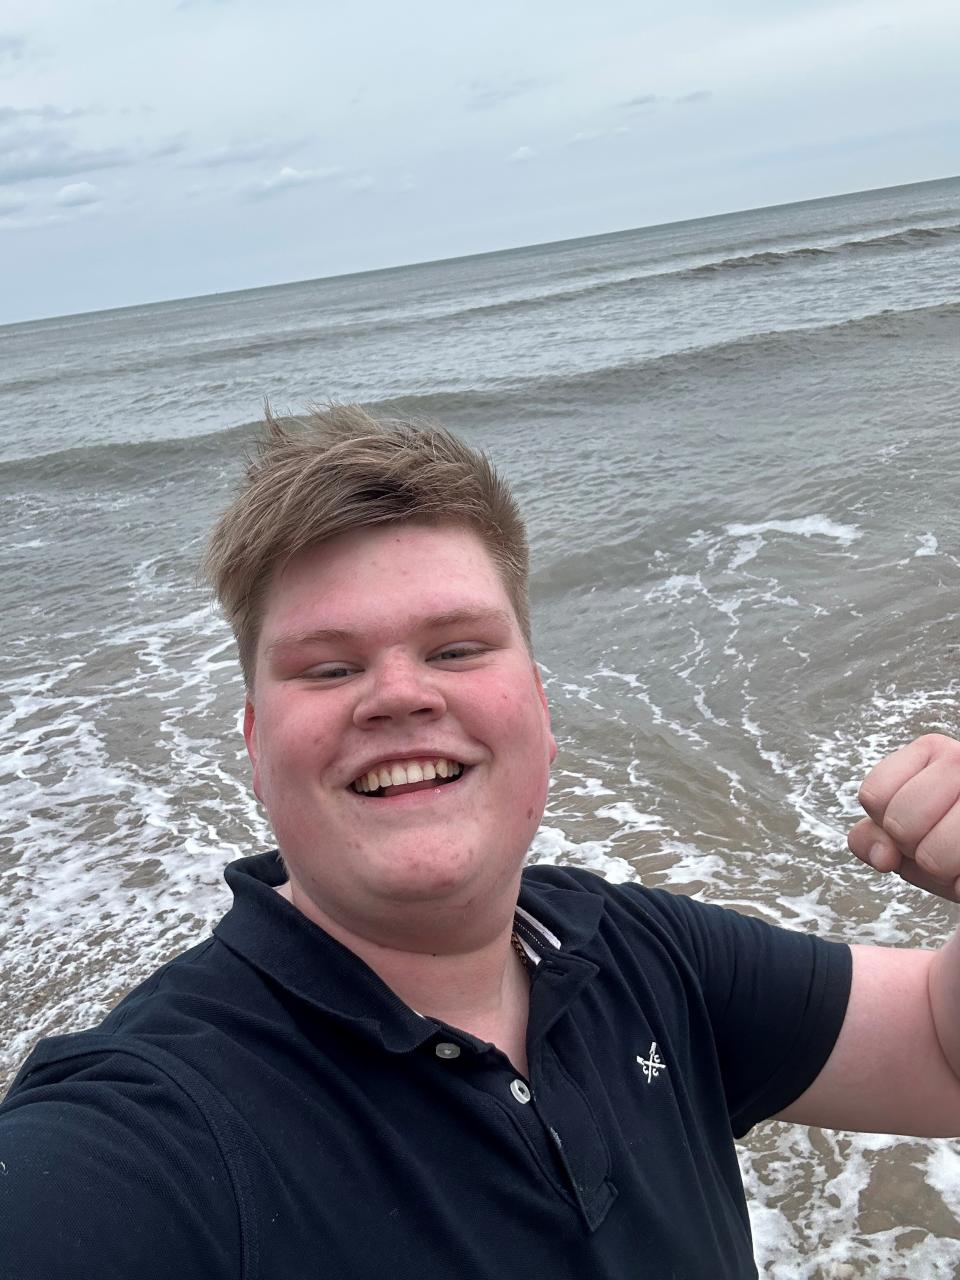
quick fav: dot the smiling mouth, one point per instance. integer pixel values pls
(400, 777)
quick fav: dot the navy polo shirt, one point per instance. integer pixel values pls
(265, 1108)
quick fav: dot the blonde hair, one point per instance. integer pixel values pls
(336, 470)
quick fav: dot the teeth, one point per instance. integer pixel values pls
(398, 775)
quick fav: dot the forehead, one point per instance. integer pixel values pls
(404, 570)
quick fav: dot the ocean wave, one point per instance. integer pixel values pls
(516, 401)
(806, 527)
(203, 355)
(119, 465)
(558, 394)
(905, 238)
(324, 335)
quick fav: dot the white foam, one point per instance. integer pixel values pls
(806, 526)
(748, 550)
(822, 1239)
(689, 864)
(675, 587)
(631, 819)
(928, 545)
(551, 846)
(942, 1172)
(591, 787)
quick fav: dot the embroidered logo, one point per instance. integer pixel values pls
(652, 1064)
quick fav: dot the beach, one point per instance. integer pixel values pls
(734, 440)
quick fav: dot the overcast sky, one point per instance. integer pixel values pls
(175, 147)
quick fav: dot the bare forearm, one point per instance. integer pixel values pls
(944, 988)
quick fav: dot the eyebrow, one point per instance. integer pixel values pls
(434, 622)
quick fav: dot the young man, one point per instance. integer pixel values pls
(398, 1056)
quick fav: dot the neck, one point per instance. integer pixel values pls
(481, 988)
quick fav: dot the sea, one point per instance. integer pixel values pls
(736, 443)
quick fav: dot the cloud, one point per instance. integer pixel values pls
(594, 135)
(49, 158)
(75, 194)
(521, 154)
(13, 202)
(170, 147)
(286, 178)
(238, 153)
(698, 95)
(10, 114)
(12, 46)
(360, 182)
(34, 144)
(483, 95)
(641, 100)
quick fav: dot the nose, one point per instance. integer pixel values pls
(397, 688)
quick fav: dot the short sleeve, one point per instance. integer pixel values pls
(108, 1171)
(776, 1000)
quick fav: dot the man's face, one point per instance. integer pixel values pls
(387, 654)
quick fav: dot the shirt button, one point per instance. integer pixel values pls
(520, 1090)
(446, 1050)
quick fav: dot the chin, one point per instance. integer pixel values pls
(424, 875)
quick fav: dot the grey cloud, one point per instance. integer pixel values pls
(698, 95)
(641, 100)
(595, 135)
(261, 188)
(482, 95)
(52, 158)
(45, 113)
(41, 149)
(359, 182)
(76, 194)
(239, 152)
(12, 46)
(11, 204)
(171, 147)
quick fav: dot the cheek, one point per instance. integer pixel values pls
(287, 749)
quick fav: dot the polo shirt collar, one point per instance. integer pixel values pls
(555, 924)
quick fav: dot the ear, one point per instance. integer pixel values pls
(542, 694)
(250, 738)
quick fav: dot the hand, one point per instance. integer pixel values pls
(913, 828)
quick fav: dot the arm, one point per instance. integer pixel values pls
(896, 1065)
(106, 1172)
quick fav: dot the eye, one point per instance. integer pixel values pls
(328, 671)
(457, 652)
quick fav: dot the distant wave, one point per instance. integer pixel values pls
(540, 397)
(121, 464)
(721, 250)
(203, 355)
(905, 238)
(320, 337)
(130, 464)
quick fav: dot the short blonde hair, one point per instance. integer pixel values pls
(336, 470)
